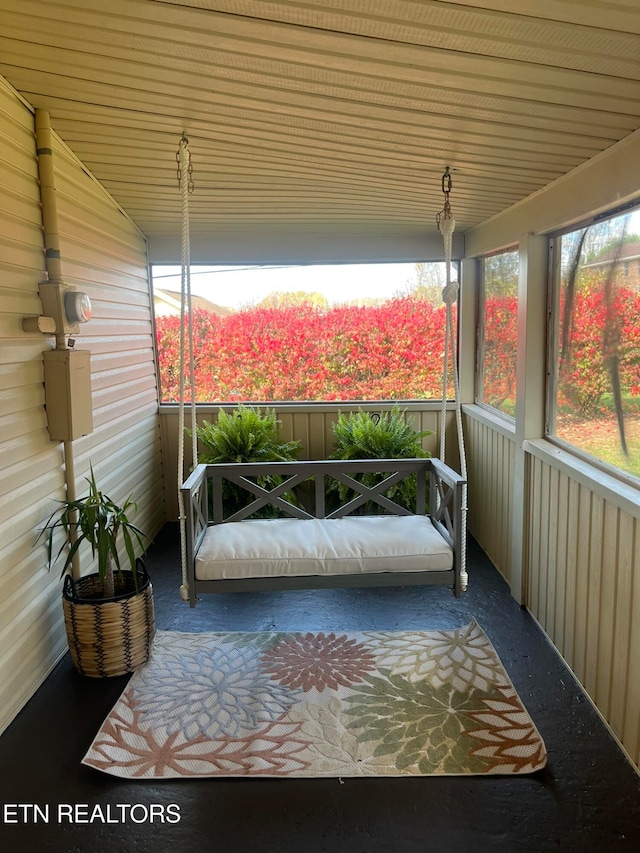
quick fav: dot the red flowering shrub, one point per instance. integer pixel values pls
(393, 351)
(499, 351)
(302, 352)
(600, 338)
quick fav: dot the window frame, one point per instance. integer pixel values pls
(553, 325)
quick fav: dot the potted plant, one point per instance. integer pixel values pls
(384, 435)
(109, 614)
(246, 435)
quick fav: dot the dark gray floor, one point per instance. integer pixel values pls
(587, 799)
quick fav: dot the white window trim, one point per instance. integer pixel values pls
(496, 420)
(585, 461)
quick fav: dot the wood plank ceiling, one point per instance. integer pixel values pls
(327, 117)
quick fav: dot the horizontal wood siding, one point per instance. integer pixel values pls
(490, 462)
(32, 636)
(105, 255)
(584, 589)
(311, 426)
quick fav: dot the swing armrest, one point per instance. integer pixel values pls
(445, 500)
(445, 474)
(196, 516)
(446, 509)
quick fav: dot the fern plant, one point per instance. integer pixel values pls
(361, 435)
(246, 435)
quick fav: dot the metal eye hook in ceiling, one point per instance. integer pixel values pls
(445, 213)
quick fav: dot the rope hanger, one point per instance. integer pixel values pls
(446, 226)
(185, 182)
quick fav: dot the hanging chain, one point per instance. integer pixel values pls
(184, 143)
(446, 226)
(445, 213)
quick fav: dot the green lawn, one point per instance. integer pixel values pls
(601, 439)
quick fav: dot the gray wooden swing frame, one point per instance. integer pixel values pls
(439, 495)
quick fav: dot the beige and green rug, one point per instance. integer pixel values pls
(376, 703)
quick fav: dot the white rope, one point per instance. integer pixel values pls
(446, 226)
(184, 178)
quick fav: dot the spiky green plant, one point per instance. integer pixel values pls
(98, 520)
(246, 435)
(387, 435)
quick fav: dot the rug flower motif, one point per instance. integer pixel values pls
(228, 692)
(461, 657)
(319, 704)
(317, 661)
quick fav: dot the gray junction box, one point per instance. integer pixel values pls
(67, 387)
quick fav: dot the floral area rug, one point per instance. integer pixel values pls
(377, 703)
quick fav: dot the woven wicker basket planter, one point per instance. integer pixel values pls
(109, 636)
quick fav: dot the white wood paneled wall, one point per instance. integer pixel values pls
(582, 567)
(490, 463)
(584, 590)
(105, 255)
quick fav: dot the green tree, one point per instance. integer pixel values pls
(501, 274)
(285, 299)
(426, 284)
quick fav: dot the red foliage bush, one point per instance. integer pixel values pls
(390, 352)
(601, 339)
(298, 353)
(499, 350)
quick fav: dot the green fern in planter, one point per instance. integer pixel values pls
(246, 435)
(364, 435)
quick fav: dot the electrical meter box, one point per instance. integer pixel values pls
(67, 389)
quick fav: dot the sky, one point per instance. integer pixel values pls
(241, 286)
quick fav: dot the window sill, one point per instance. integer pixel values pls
(326, 406)
(610, 488)
(493, 419)
(614, 490)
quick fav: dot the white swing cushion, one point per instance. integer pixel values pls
(351, 545)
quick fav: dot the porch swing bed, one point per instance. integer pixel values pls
(311, 546)
(311, 543)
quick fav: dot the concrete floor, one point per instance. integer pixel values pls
(586, 799)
